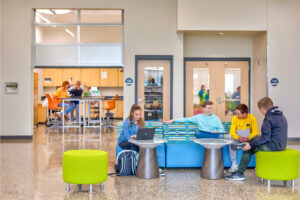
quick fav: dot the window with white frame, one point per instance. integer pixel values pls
(75, 37)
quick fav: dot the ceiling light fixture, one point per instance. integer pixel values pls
(61, 11)
(53, 12)
(70, 32)
(45, 11)
(220, 33)
(43, 18)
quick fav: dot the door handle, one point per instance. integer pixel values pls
(220, 100)
(140, 100)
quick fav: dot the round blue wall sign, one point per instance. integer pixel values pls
(128, 81)
(274, 82)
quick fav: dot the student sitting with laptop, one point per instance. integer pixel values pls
(130, 128)
(209, 125)
(243, 128)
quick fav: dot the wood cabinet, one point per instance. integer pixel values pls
(104, 77)
(121, 78)
(90, 77)
(52, 77)
(73, 74)
(109, 77)
(42, 113)
(35, 98)
(120, 109)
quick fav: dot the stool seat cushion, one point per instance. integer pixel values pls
(85, 166)
(278, 165)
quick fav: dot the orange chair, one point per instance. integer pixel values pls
(109, 115)
(52, 122)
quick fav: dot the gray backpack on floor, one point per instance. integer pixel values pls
(126, 163)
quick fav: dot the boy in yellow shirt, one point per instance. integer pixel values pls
(243, 120)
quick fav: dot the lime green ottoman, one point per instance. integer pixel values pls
(278, 165)
(84, 167)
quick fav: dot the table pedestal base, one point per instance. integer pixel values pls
(147, 165)
(213, 167)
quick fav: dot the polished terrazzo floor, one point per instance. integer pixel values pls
(33, 170)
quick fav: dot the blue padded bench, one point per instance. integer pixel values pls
(181, 151)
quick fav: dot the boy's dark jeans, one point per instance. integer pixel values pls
(246, 157)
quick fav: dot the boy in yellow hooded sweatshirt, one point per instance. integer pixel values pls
(242, 120)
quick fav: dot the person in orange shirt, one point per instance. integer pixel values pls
(61, 93)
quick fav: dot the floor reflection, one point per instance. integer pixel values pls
(33, 170)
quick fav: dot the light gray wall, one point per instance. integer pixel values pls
(259, 73)
(1, 84)
(199, 45)
(222, 15)
(284, 59)
(150, 28)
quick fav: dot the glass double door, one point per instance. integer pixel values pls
(154, 89)
(225, 83)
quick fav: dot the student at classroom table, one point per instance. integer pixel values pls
(61, 93)
(76, 91)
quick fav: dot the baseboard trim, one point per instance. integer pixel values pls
(15, 137)
(294, 139)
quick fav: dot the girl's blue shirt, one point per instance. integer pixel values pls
(127, 131)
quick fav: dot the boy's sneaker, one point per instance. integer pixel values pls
(236, 147)
(235, 177)
(233, 168)
(161, 172)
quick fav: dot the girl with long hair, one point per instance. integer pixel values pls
(130, 128)
(61, 93)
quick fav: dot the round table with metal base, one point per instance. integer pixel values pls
(213, 167)
(147, 164)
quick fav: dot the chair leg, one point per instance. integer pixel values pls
(262, 181)
(285, 183)
(68, 187)
(91, 188)
(269, 186)
(101, 186)
(293, 183)
(79, 187)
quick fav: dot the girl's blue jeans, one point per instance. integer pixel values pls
(68, 108)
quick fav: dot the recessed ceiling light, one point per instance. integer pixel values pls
(70, 32)
(42, 17)
(220, 33)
